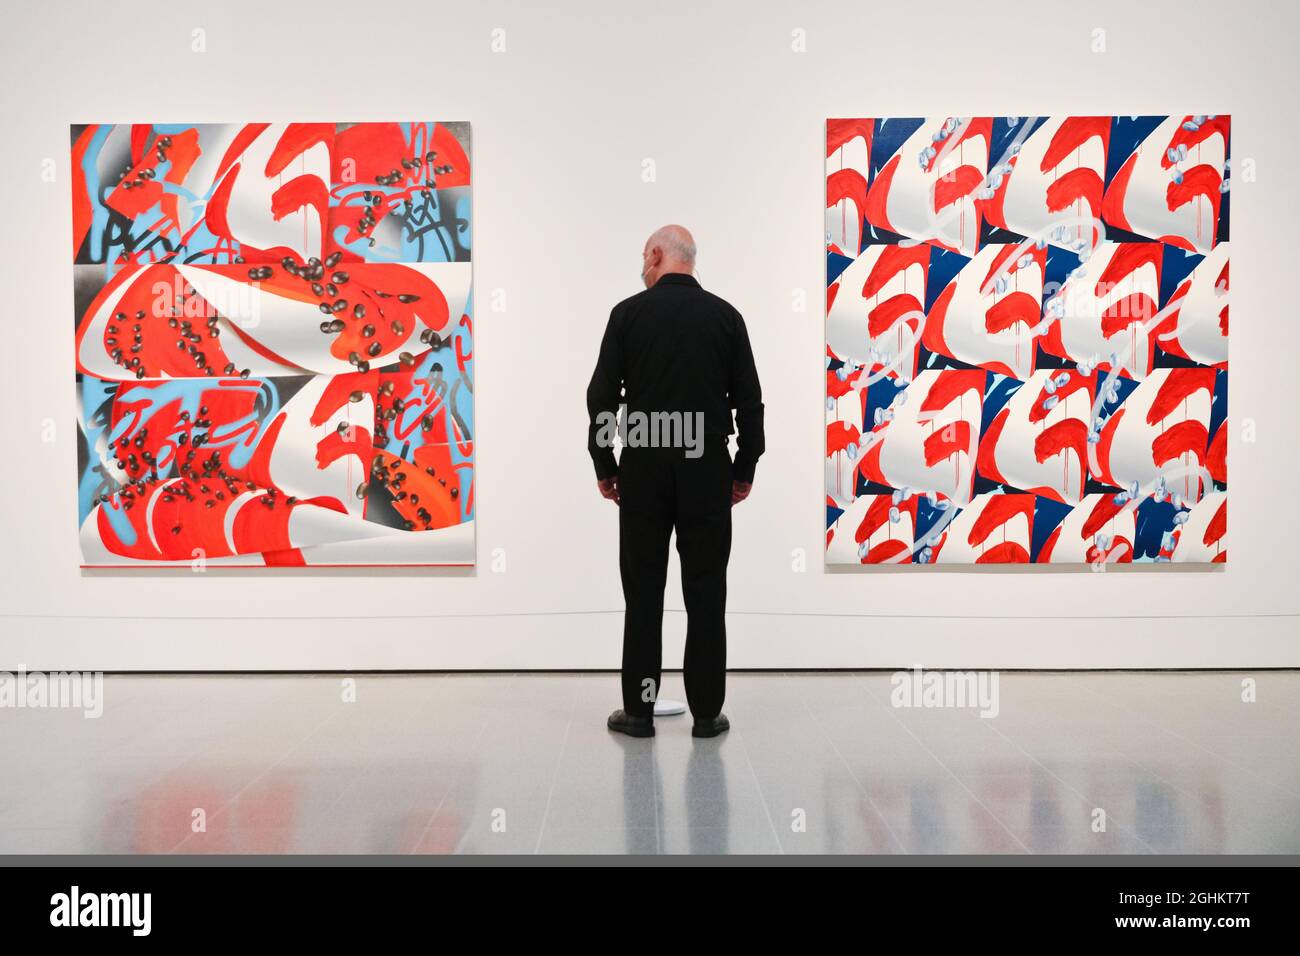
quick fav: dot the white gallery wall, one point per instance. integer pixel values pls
(725, 103)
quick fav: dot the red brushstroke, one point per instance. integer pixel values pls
(337, 445)
(1012, 254)
(1070, 434)
(884, 316)
(839, 435)
(1218, 525)
(1180, 384)
(338, 392)
(301, 192)
(837, 387)
(869, 464)
(1104, 441)
(151, 290)
(877, 515)
(82, 207)
(1102, 512)
(847, 184)
(877, 211)
(243, 139)
(892, 261)
(451, 154)
(1073, 133)
(1219, 126)
(297, 139)
(997, 511)
(1185, 437)
(1052, 342)
(216, 213)
(1112, 204)
(1045, 552)
(290, 558)
(956, 185)
(1008, 552)
(932, 335)
(1201, 180)
(841, 131)
(949, 385)
(942, 444)
(1170, 322)
(1078, 185)
(1012, 309)
(992, 208)
(1121, 313)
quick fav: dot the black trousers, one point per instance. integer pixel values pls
(661, 490)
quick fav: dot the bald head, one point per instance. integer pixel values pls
(669, 249)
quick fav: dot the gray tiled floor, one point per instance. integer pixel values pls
(815, 763)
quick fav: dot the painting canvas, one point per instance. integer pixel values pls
(1026, 340)
(274, 348)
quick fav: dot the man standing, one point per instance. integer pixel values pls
(675, 354)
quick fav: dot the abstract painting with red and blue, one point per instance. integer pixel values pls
(274, 349)
(1026, 340)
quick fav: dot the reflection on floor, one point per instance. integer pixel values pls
(815, 763)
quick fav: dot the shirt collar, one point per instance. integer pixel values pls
(677, 278)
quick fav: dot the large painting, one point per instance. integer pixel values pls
(274, 348)
(1026, 340)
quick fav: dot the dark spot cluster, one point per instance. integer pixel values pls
(190, 338)
(442, 170)
(381, 413)
(339, 306)
(393, 477)
(368, 219)
(410, 167)
(117, 337)
(161, 145)
(200, 477)
(313, 272)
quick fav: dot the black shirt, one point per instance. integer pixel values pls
(677, 348)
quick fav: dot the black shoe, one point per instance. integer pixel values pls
(624, 723)
(711, 727)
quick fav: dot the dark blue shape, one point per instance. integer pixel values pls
(1175, 266)
(1153, 519)
(944, 266)
(928, 515)
(998, 390)
(1004, 132)
(835, 264)
(888, 138)
(1048, 515)
(1126, 134)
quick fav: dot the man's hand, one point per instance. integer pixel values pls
(740, 491)
(608, 488)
